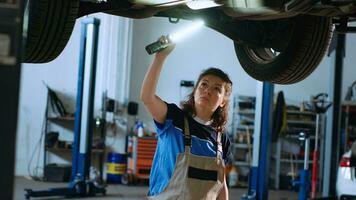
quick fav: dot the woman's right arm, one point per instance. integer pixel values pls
(154, 104)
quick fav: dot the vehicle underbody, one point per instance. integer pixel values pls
(261, 11)
(267, 34)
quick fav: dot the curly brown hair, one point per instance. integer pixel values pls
(220, 115)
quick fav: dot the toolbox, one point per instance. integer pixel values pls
(140, 152)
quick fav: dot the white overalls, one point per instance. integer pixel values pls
(195, 177)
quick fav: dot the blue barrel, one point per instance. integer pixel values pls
(116, 167)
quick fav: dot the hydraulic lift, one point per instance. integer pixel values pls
(258, 181)
(80, 185)
(332, 139)
(10, 68)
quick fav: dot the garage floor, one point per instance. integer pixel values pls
(120, 192)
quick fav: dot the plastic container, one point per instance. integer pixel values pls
(233, 177)
(139, 128)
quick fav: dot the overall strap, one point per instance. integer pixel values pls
(219, 150)
(187, 137)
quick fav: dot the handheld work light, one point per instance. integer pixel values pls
(173, 38)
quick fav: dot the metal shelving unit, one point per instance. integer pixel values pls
(56, 125)
(63, 125)
(242, 140)
(244, 120)
(279, 157)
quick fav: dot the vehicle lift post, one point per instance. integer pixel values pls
(333, 123)
(258, 181)
(10, 69)
(80, 186)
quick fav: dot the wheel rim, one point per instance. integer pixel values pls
(262, 55)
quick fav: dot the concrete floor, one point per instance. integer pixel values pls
(121, 192)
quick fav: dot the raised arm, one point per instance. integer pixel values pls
(154, 104)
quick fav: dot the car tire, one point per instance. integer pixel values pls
(305, 48)
(50, 24)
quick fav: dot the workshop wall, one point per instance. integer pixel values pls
(61, 75)
(121, 68)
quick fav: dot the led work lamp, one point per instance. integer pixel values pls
(173, 38)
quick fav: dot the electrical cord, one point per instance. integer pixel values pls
(35, 174)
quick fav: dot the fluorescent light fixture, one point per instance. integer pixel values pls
(186, 31)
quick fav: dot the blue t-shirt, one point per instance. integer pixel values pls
(171, 143)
